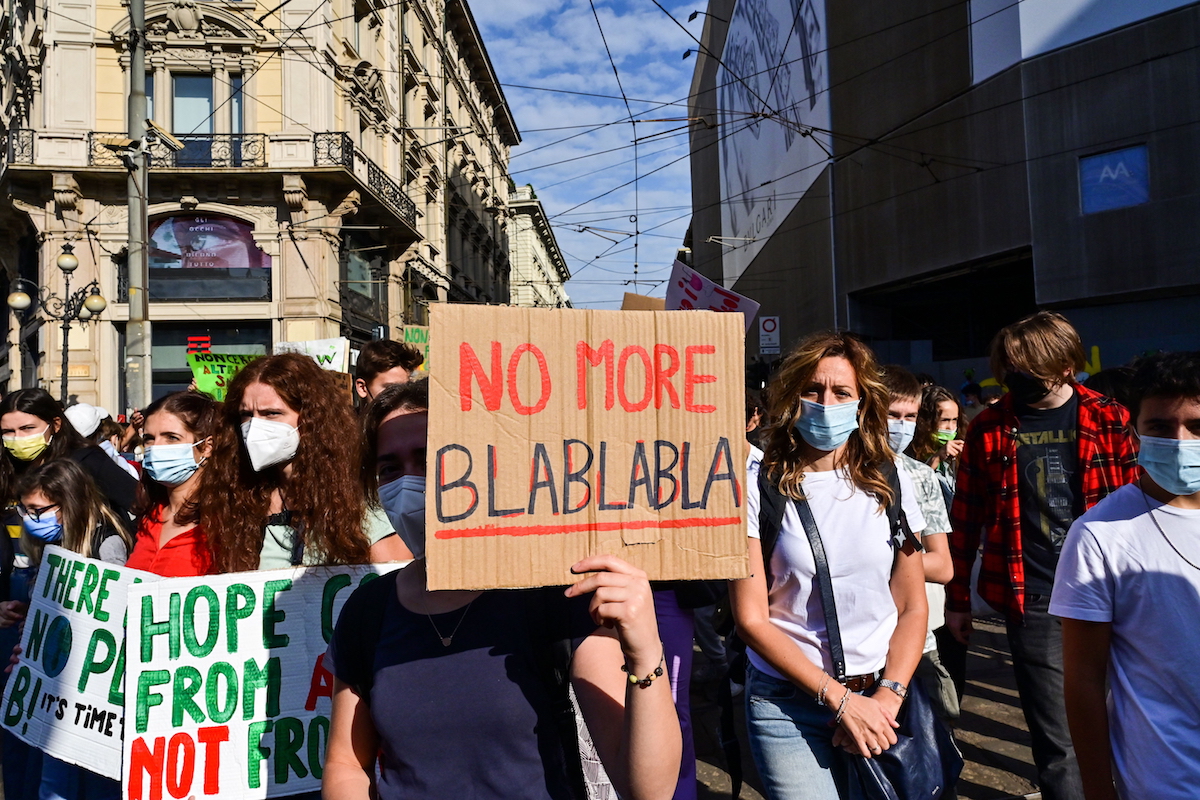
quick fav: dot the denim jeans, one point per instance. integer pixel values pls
(792, 741)
(1037, 654)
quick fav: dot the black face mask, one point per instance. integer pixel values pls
(1026, 390)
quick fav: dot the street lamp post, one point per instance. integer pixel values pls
(82, 305)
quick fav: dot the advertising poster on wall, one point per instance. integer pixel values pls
(774, 63)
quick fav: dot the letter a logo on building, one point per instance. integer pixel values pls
(1115, 173)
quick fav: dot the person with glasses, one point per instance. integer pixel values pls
(60, 505)
(36, 432)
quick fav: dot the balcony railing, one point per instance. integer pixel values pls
(333, 150)
(202, 150)
(19, 148)
(338, 150)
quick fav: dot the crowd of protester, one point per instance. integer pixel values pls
(1092, 561)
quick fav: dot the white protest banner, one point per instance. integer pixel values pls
(331, 354)
(65, 697)
(689, 290)
(226, 690)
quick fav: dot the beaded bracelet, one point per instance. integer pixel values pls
(649, 679)
(821, 691)
(837, 718)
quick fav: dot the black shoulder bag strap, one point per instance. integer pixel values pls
(825, 586)
(897, 520)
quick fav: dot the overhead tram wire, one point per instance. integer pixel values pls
(870, 142)
(632, 122)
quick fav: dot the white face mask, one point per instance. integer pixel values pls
(268, 442)
(403, 501)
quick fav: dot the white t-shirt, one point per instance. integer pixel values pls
(857, 540)
(1116, 567)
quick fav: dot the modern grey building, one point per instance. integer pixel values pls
(926, 172)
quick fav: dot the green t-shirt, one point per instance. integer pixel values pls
(279, 541)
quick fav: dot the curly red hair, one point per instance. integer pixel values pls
(323, 493)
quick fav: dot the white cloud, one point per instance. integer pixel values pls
(556, 44)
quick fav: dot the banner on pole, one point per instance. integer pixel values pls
(65, 696)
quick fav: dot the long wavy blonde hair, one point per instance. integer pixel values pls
(867, 449)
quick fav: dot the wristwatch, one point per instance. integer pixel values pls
(895, 686)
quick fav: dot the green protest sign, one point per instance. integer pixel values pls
(418, 337)
(66, 694)
(227, 693)
(214, 371)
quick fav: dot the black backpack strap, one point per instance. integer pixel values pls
(825, 585)
(771, 506)
(897, 521)
(357, 633)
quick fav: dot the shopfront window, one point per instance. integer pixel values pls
(206, 257)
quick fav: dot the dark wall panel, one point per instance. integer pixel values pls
(1139, 85)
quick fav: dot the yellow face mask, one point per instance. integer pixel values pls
(26, 448)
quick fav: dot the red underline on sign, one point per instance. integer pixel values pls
(588, 527)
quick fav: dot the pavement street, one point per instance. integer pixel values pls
(991, 734)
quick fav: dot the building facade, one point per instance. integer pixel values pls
(927, 172)
(538, 267)
(344, 165)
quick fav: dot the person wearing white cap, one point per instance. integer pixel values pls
(88, 420)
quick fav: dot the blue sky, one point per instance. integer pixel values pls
(555, 44)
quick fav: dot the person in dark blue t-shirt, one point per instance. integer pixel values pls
(454, 692)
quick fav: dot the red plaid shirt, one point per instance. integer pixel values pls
(986, 497)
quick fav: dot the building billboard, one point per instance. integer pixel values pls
(774, 63)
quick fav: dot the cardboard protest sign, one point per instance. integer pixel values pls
(418, 337)
(227, 693)
(640, 302)
(331, 354)
(555, 434)
(214, 371)
(690, 290)
(66, 695)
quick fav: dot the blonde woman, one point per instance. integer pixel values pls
(826, 445)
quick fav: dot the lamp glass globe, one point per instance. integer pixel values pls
(95, 303)
(19, 301)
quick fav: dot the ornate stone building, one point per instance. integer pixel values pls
(538, 267)
(344, 164)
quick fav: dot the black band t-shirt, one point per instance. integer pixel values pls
(1048, 477)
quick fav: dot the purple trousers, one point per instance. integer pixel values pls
(675, 627)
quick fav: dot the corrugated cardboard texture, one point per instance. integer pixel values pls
(640, 302)
(558, 434)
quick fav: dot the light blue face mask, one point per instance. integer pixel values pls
(1174, 464)
(46, 529)
(170, 464)
(403, 501)
(827, 427)
(901, 433)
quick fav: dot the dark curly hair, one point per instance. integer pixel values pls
(323, 493)
(1163, 375)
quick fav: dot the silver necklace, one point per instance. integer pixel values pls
(448, 640)
(1163, 533)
